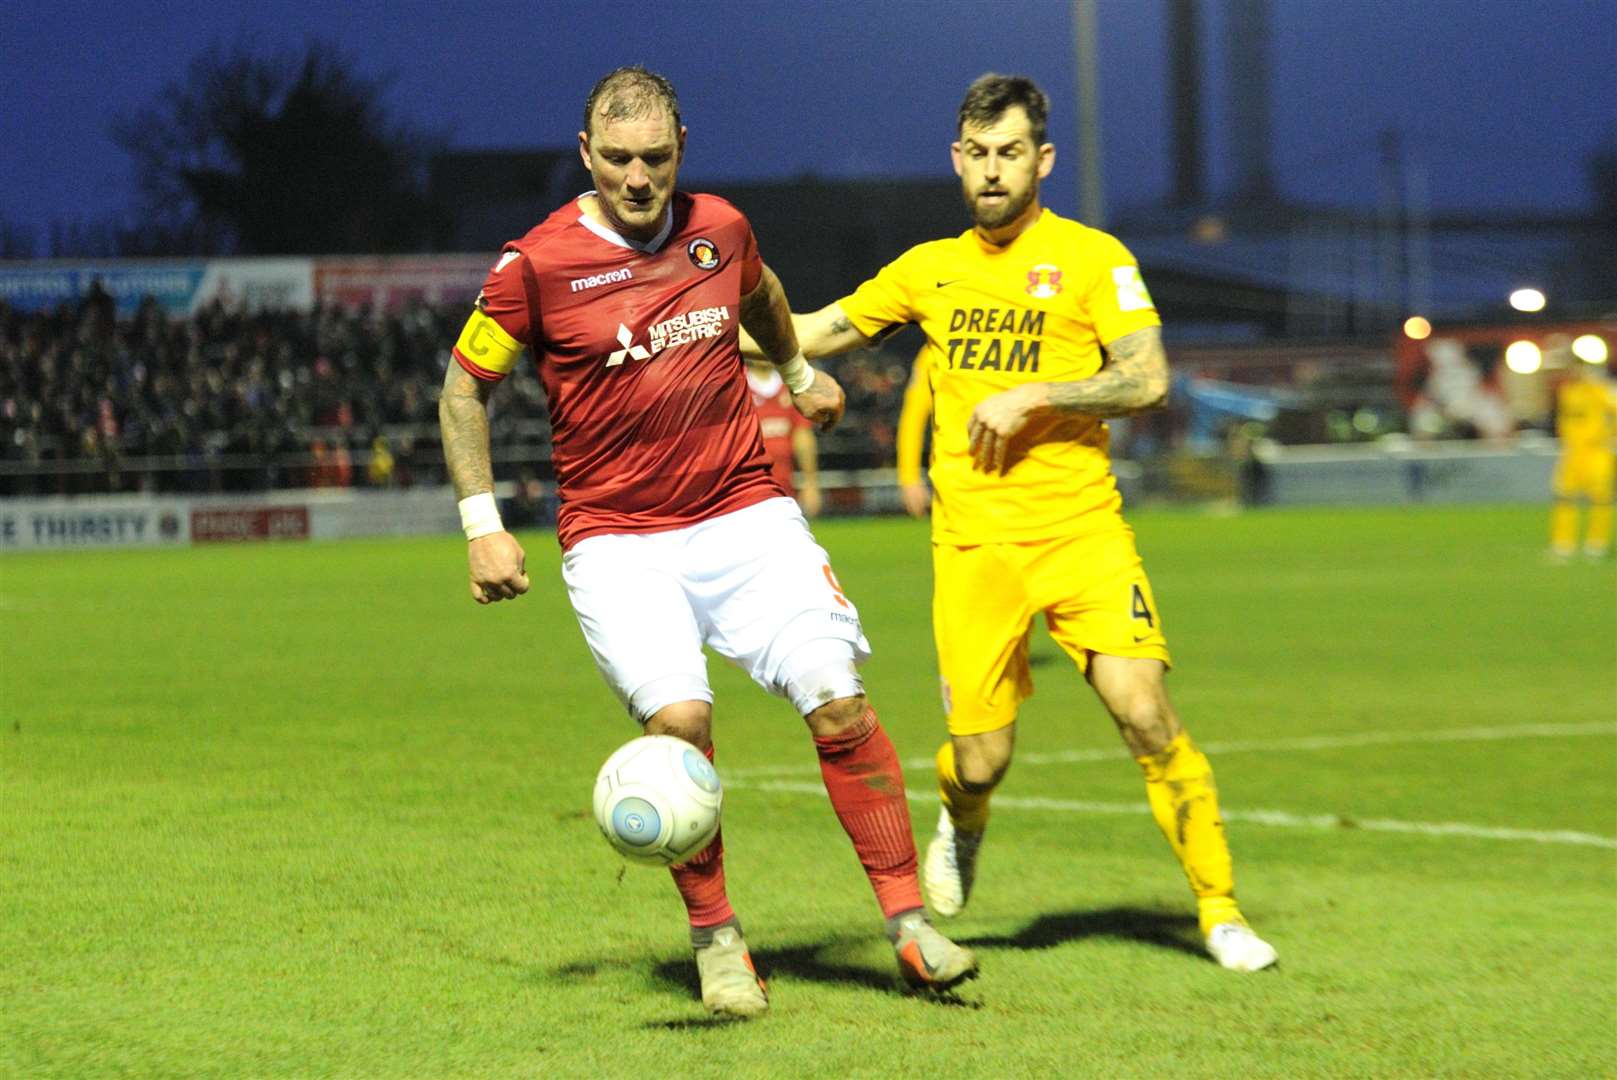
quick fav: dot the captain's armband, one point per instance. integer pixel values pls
(485, 349)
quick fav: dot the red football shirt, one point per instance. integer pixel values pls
(777, 419)
(652, 427)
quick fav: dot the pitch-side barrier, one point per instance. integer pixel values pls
(1388, 473)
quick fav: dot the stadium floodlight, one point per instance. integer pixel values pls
(1417, 328)
(1590, 348)
(1527, 300)
(1523, 357)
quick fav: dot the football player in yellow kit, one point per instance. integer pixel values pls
(1037, 330)
(910, 437)
(1586, 421)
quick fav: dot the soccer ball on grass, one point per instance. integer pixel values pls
(657, 800)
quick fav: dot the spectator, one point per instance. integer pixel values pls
(234, 400)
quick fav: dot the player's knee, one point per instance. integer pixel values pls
(688, 720)
(981, 761)
(838, 716)
(1146, 721)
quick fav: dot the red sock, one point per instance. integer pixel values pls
(701, 882)
(866, 785)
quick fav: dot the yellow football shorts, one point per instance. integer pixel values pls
(1585, 472)
(1092, 590)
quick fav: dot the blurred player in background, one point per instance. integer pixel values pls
(913, 418)
(788, 436)
(675, 534)
(1586, 421)
(1038, 328)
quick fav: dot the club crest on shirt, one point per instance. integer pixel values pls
(703, 253)
(1044, 280)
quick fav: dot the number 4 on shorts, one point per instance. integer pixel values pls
(1142, 610)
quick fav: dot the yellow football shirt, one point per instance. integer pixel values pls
(913, 418)
(1036, 310)
(1586, 415)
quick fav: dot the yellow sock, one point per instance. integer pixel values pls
(1564, 526)
(968, 810)
(1179, 785)
(1598, 538)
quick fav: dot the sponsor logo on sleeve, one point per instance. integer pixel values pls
(1131, 294)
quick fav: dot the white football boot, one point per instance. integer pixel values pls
(926, 959)
(1235, 946)
(730, 984)
(951, 867)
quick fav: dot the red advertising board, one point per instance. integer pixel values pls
(231, 525)
(386, 284)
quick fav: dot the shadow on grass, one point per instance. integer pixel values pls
(1166, 930)
(693, 1023)
(795, 961)
(800, 962)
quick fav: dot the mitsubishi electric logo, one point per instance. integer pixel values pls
(682, 329)
(630, 350)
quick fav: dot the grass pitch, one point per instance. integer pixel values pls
(308, 811)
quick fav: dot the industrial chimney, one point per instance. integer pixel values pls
(1185, 88)
(1247, 53)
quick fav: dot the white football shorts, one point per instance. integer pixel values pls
(752, 585)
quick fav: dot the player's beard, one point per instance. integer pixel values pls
(994, 216)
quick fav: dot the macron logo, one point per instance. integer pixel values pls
(630, 350)
(608, 278)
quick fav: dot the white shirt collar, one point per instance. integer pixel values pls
(612, 237)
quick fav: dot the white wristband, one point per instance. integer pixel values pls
(480, 515)
(797, 373)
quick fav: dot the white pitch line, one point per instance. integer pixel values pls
(1306, 742)
(1278, 818)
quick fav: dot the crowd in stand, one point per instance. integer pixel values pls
(231, 400)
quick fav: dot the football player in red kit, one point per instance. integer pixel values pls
(675, 535)
(788, 435)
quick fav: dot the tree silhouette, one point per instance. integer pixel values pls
(289, 154)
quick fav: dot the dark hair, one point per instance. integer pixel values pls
(990, 95)
(631, 93)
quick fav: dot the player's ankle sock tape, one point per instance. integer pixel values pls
(1212, 911)
(702, 936)
(896, 919)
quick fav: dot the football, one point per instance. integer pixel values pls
(657, 800)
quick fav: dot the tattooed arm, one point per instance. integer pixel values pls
(766, 318)
(767, 332)
(823, 333)
(463, 419)
(827, 332)
(496, 561)
(1133, 380)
